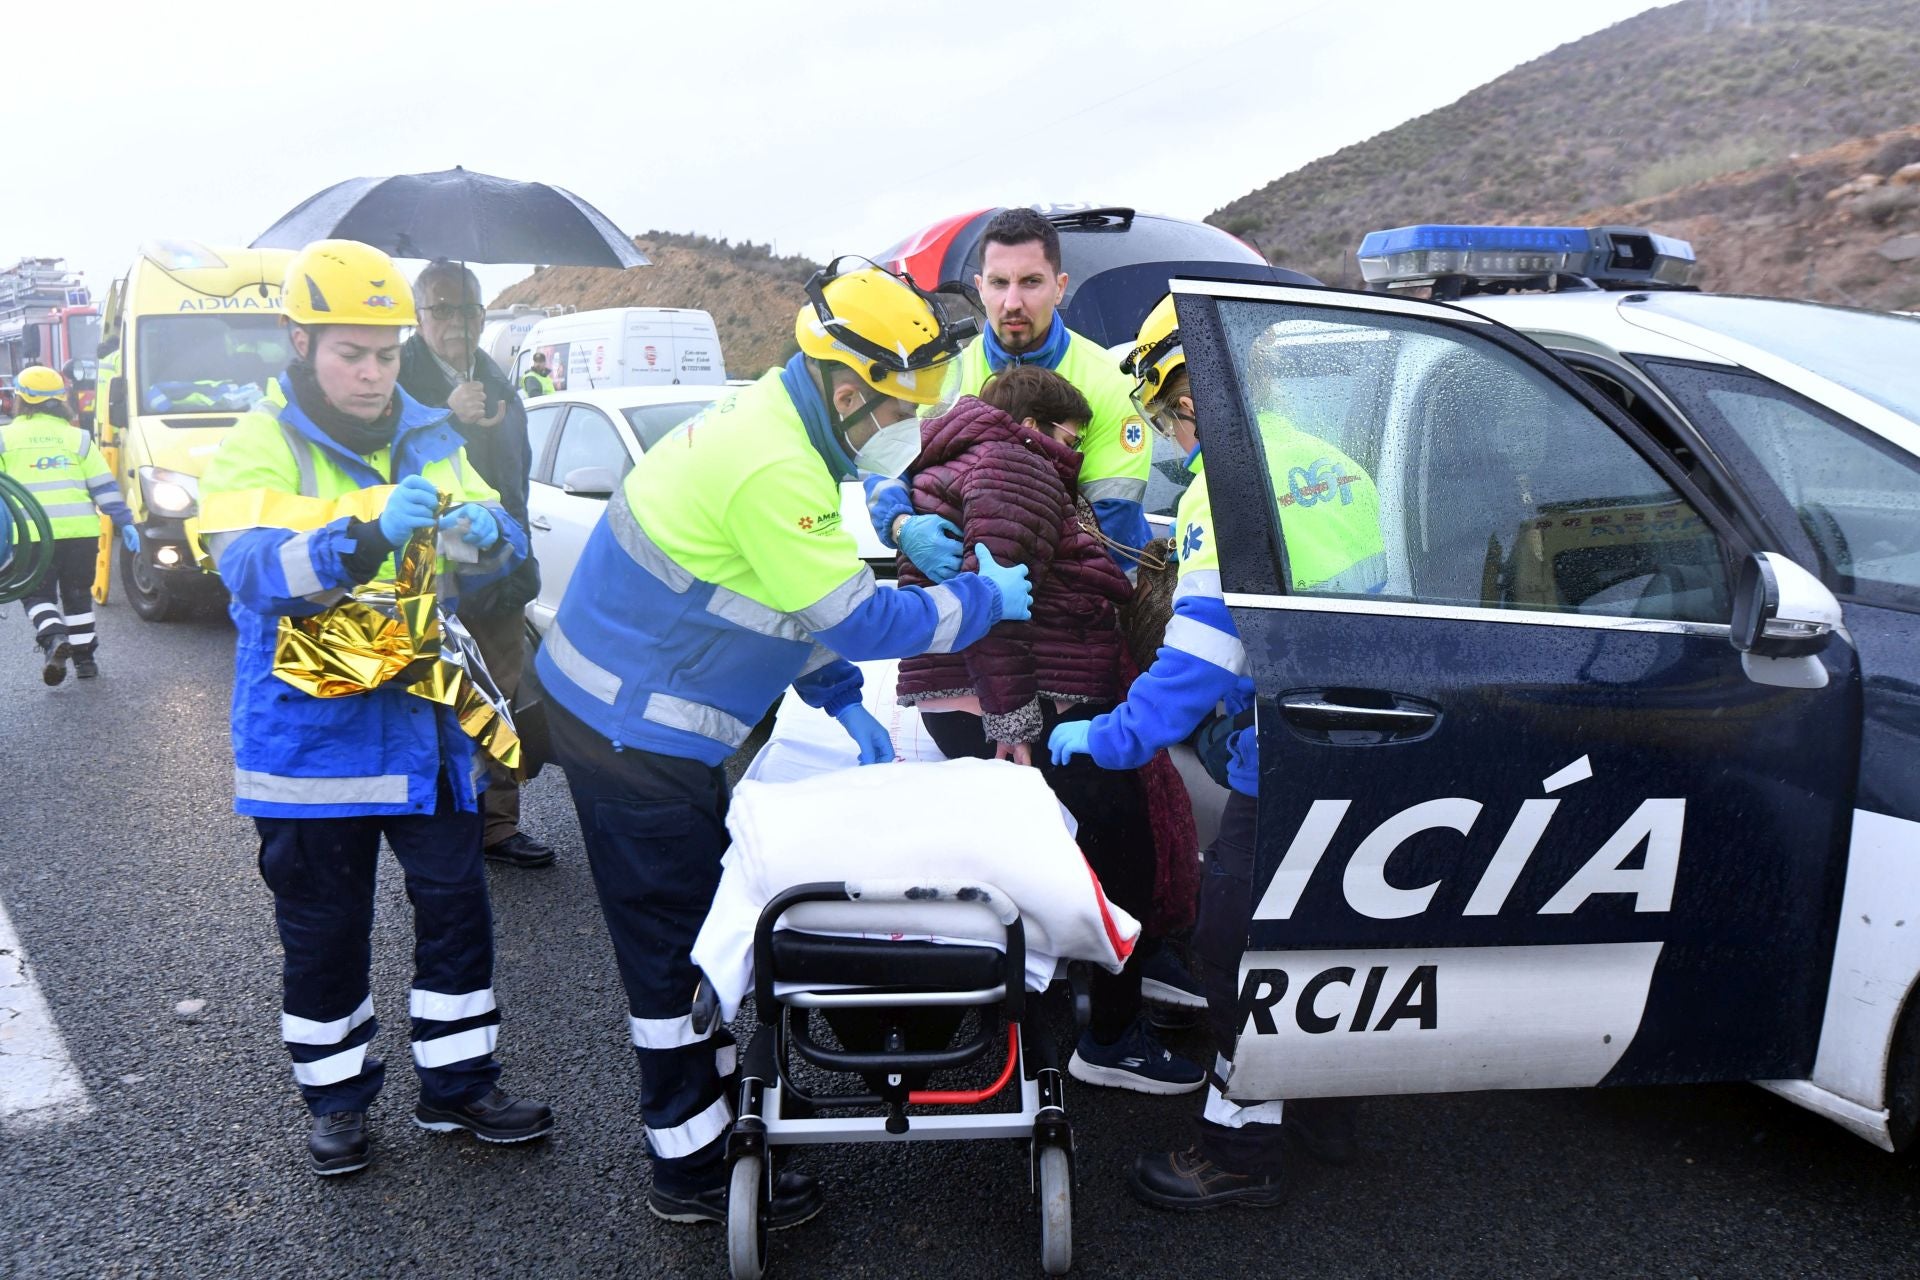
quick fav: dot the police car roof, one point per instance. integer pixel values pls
(1589, 318)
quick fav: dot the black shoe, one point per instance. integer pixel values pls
(338, 1143)
(519, 850)
(54, 669)
(1188, 1180)
(796, 1197)
(84, 667)
(498, 1117)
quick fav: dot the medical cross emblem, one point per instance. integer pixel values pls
(1192, 543)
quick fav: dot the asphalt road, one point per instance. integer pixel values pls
(132, 887)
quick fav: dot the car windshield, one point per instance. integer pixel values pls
(1869, 352)
(652, 421)
(208, 363)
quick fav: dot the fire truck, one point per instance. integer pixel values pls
(47, 317)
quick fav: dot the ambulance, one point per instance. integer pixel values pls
(195, 338)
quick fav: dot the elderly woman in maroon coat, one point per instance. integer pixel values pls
(1005, 468)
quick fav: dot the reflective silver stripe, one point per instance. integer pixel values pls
(439, 1007)
(663, 1033)
(644, 550)
(332, 1069)
(38, 609)
(1362, 578)
(296, 565)
(946, 629)
(684, 1139)
(217, 543)
(60, 510)
(302, 459)
(750, 615)
(274, 788)
(86, 445)
(444, 1051)
(297, 1030)
(1207, 644)
(80, 619)
(579, 668)
(1114, 487)
(693, 717)
(102, 481)
(459, 460)
(835, 607)
(820, 657)
(1201, 582)
(48, 486)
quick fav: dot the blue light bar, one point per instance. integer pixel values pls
(1607, 255)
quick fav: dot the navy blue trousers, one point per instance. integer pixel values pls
(655, 827)
(321, 871)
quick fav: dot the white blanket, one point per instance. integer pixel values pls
(958, 820)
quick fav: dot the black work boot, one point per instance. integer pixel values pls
(796, 1197)
(338, 1143)
(84, 667)
(519, 850)
(54, 665)
(498, 1117)
(1188, 1180)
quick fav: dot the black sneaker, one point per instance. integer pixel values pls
(1135, 1061)
(54, 668)
(84, 667)
(1165, 980)
(338, 1143)
(1187, 1180)
(498, 1117)
(519, 850)
(796, 1197)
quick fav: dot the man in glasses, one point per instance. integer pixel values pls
(442, 365)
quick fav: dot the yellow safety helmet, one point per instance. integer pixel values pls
(346, 282)
(37, 384)
(882, 327)
(1156, 356)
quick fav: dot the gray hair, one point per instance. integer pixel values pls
(439, 269)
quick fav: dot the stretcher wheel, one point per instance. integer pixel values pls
(747, 1203)
(1056, 1211)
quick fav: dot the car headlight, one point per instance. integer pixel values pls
(169, 493)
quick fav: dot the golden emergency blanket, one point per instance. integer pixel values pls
(397, 633)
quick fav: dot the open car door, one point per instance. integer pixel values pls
(1527, 819)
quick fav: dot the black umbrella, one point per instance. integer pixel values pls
(460, 216)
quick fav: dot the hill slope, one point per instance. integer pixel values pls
(1670, 97)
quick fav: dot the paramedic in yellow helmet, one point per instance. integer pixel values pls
(719, 576)
(311, 495)
(1331, 521)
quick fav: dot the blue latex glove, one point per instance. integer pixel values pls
(482, 529)
(414, 506)
(933, 544)
(1016, 593)
(876, 745)
(1069, 740)
(130, 538)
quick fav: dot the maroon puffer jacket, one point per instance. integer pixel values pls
(1015, 490)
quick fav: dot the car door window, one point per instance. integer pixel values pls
(589, 440)
(651, 422)
(540, 425)
(1857, 498)
(1412, 459)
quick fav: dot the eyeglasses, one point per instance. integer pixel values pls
(1067, 434)
(445, 311)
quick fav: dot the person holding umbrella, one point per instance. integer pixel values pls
(442, 365)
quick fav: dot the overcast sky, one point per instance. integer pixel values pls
(823, 128)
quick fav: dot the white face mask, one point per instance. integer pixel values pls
(890, 450)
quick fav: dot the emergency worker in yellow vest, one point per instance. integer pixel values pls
(719, 576)
(56, 461)
(537, 382)
(1330, 517)
(1020, 283)
(311, 495)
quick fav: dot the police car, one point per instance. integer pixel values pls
(1618, 780)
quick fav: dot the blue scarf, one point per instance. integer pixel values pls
(813, 412)
(1047, 355)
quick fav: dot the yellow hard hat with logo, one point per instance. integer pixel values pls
(882, 327)
(346, 282)
(1156, 356)
(37, 384)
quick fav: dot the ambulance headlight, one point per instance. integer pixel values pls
(169, 493)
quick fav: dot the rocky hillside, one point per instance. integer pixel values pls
(751, 294)
(1670, 98)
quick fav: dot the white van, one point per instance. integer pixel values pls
(625, 347)
(506, 332)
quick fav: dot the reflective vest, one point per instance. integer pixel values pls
(721, 574)
(66, 475)
(1329, 512)
(1114, 444)
(537, 384)
(276, 503)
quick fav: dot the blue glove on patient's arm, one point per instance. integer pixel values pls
(1069, 740)
(933, 544)
(414, 506)
(876, 745)
(1016, 593)
(482, 529)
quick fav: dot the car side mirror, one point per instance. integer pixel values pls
(117, 403)
(1780, 610)
(590, 482)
